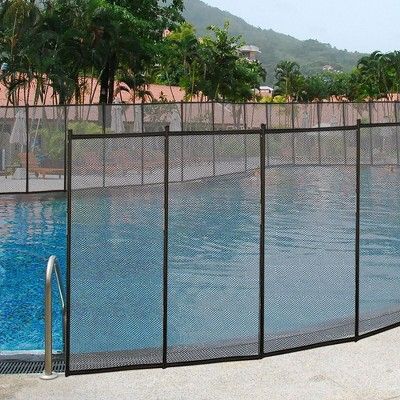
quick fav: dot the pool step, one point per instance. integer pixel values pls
(28, 367)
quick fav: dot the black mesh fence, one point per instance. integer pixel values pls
(183, 250)
(33, 139)
(309, 245)
(126, 220)
(380, 229)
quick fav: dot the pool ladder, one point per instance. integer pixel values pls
(52, 267)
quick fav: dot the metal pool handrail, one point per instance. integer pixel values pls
(52, 266)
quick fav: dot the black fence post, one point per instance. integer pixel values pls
(371, 146)
(182, 141)
(213, 115)
(319, 133)
(165, 262)
(292, 112)
(344, 113)
(142, 142)
(27, 148)
(293, 137)
(357, 236)
(67, 344)
(65, 146)
(370, 112)
(103, 112)
(262, 244)
(319, 114)
(245, 137)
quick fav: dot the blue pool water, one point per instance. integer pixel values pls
(213, 259)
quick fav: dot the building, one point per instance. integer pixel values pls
(250, 52)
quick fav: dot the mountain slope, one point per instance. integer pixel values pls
(310, 54)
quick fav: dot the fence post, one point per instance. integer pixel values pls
(245, 137)
(357, 236)
(65, 146)
(103, 112)
(165, 260)
(319, 115)
(182, 140)
(344, 113)
(27, 148)
(142, 142)
(292, 112)
(370, 111)
(213, 115)
(67, 328)
(293, 136)
(262, 244)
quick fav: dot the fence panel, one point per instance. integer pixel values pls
(198, 116)
(123, 118)
(229, 116)
(280, 116)
(47, 148)
(304, 115)
(355, 111)
(382, 112)
(213, 286)
(13, 150)
(116, 260)
(157, 116)
(309, 253)
(331, 114)
(380, 230)
(256, 115)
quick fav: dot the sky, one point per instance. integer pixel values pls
(355, 25)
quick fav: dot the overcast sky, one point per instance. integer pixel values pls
(357, 25)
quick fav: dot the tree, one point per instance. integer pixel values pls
(226, 75)
(289, 80)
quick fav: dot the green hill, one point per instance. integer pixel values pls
(310, 54)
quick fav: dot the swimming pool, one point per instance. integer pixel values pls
(213, 259)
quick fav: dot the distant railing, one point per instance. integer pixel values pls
(33, 140)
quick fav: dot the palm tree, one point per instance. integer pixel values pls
(288, 79)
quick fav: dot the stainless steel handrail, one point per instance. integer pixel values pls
(52, 266)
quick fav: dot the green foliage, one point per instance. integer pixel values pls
(52, 143)
(311, 55)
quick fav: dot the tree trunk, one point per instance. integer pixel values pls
(104, 80)
(111, 77)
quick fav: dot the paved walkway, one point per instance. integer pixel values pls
(368, 370)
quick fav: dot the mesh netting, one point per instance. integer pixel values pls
(197, 116)
(256, 115)
(86, 119)
(309, 258)
(47, 148)
(116, 258)
(157, 116)
(13, 149)
(383, 112)
(380, 229)
(213, 279)
(229, 116)
(355, 111)
(331, 114)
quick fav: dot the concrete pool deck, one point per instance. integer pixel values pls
(367, 370)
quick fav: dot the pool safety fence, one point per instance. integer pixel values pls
(33, 139)
(126, 316)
